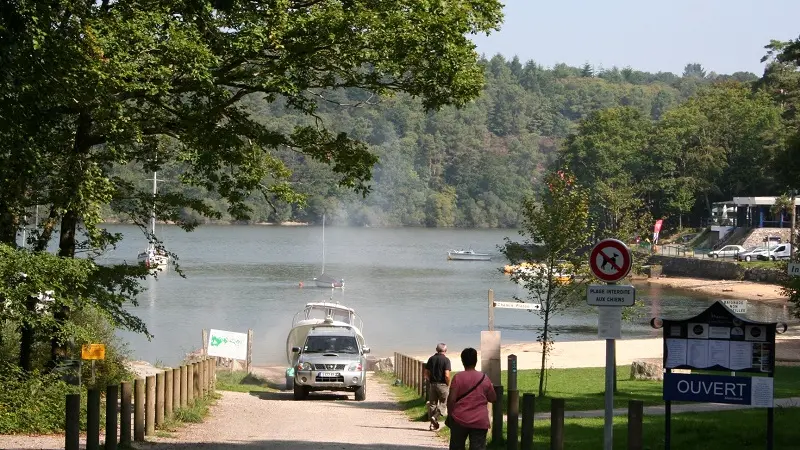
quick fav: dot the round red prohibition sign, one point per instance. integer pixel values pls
(610, 260)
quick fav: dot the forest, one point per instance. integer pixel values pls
(473, 166)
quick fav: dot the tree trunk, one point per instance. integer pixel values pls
(545, 348)
(8, 225)
(27, 337)
(66, 249)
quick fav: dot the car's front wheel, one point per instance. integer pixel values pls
(300, 392)
(747, 258)
(361, 392)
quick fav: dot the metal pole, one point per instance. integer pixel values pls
(791, 231)
(608, 432)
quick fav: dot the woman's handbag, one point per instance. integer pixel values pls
(449, 420)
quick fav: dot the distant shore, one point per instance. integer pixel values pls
(220, 222)
(746, 290)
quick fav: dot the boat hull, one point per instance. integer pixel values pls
(468, 257)
(153, 261)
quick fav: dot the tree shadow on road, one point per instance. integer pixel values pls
(288, 395)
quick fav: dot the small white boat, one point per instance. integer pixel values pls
(467, 255)
(321, 314)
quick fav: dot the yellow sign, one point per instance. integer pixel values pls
(93, 351)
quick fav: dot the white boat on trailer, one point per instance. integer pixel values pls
(319, 314)
(467, 255)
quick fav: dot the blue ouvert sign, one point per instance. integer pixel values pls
(718, 340)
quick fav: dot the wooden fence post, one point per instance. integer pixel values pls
(528, 411)
(635, 419)
(150, 406)
(93, 419)
(196, 377)
(421, 375)
(190, 384)
(138, 410)
(111, 418)
(249, 351)
(201, 371)
(557, 424)
(72, 411)
(184, 393)
(497, 416)
(395, 365)
(169, 396)
(125, 415)
(205, 341)
(160, 389)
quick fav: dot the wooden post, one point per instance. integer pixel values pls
(72, 411)
(150, 406)
(111, 418)
(395, 364)
(169, 396)
(528, 411)
(512, 427)
(249, 351)
(557, 424)
(198, 394)
(184, 386)
(138, 410)
(497, 416)
(125, 415)
(160, 390)
(635, 419)
(93, 419)
(491, 310)
(205, 341)
(212, 373)
(176, 388)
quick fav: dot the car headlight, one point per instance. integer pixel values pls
(304, 366)
(353, 367)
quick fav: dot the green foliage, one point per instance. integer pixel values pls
(242, 382)
(32, 402)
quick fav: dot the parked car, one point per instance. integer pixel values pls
(752, 254)
(331, 360)
(728, 251)
(783, 251)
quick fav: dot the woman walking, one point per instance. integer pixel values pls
(468, 415)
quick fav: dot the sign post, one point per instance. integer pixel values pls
(610, 261)
(93, 352)
(719, 340)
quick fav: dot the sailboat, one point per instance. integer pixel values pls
(153, 258)
(324, 280)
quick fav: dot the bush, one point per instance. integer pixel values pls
(33, 402)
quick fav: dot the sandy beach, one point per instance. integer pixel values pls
(747, 290)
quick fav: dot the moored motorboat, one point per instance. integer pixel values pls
(321, 314)
(467, 255)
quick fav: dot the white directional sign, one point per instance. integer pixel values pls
(518, 305)
(794, 269)
(610, 295)
(737, 306)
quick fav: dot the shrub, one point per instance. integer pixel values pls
(32, 402)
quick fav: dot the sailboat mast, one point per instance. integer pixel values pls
(153, 210)
(323, 243)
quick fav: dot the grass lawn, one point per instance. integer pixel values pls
(583, 389)
(242, 381)
(690, 431)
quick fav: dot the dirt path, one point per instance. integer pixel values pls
(324, 421)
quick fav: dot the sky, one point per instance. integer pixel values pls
(725, 36)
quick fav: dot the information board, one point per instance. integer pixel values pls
(718, 339)
(227, 344)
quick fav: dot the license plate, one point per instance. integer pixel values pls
(329, 374)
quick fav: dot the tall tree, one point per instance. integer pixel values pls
(555, 227)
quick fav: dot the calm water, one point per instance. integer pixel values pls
(398, 280)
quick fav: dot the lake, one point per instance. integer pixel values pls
(397, 279)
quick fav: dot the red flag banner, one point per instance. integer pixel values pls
(657, 230)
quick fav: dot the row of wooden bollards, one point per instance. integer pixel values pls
(152, 400)
(410, 372)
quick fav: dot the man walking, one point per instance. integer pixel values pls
(437, 373)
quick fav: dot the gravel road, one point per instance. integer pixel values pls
(273, 420)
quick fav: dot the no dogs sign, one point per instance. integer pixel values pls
(610, 260)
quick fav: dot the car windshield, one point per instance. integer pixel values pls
(331, 344)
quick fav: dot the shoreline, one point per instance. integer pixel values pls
(745, 290)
